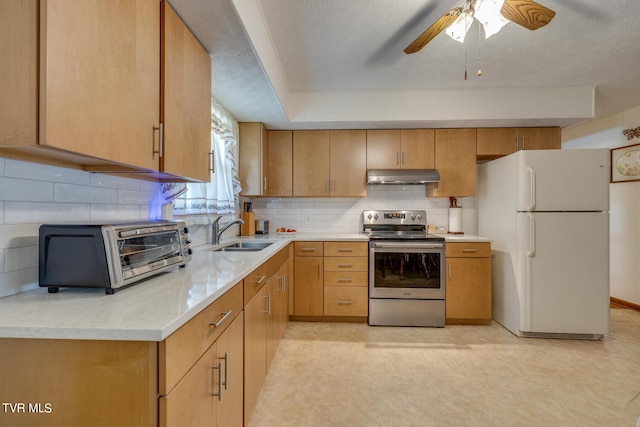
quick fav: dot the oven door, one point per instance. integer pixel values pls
(406, 270)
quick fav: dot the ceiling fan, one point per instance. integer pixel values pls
(492, 14)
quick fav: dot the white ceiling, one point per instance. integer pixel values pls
(296, 64)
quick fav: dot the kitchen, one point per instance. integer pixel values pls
(33, 193)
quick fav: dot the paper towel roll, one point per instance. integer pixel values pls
(455, 220)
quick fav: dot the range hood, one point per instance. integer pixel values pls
(402, 176)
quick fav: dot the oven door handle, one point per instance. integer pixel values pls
(404, 245)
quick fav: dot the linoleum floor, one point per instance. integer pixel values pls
(342, 374)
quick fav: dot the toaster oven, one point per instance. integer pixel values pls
(109, 256)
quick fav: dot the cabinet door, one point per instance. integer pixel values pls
(255, 350)
(280, 179)
(348, 163)
(231, 353)
(308, 297)
(418, 148)
(495, 142)
(274, 306)
(311, 165)
(383, 149)
(468, 288)
(186, 101)
(100, 79)
(192, 401)
(253, 165)
(539, 138)
(456, 162)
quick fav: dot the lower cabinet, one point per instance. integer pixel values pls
(468, 283)
(331, 279)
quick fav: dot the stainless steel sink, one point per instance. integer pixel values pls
(244, 246)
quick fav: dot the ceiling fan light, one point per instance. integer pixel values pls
(458, 29)
(487, 12)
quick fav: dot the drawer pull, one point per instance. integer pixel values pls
(226, 370)
(469, 251)
(345, 302)
(308, 249)
(257, 282)
(345, 279)
(345, 250)
(345, 265)
(222, 319)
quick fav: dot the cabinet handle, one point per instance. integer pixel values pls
(345, 265)
(469, 251)
(449, 271)
(160, 141)
(222, 319)
(345, 302)
(403, 158)
(226, 371)
(219, 393)
(345, 250)
(397, 157)
(308, 249)
(265, 183)
(523, 143)
(283, 285)
(211, 162)
(345, 279)
(268, 297)
(257, 282)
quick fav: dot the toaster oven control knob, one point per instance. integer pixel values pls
(413, 217)
(369, 216)
(419, 217)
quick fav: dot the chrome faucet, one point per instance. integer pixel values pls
(216, 231)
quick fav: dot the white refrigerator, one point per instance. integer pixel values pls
(547, 214)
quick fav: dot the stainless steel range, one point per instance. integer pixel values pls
(406, 269)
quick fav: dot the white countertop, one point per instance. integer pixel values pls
(462, 238)
(147, 311)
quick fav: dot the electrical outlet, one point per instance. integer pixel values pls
(307, 220)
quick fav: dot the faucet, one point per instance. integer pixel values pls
(216, 231)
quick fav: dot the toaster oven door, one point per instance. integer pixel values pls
(147, 252)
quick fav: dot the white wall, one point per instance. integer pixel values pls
(32, 194)
(624, 200)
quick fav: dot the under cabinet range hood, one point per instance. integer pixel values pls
(402, 176)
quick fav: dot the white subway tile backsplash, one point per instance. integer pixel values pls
(111, 212)
(16, 189)
(40, 172)
(2, 220)
(134, 197)
(2, 166)
(19, 235)
(14, 282)
(28, 212)
(114, 181)
(21, 258)
(71, 193)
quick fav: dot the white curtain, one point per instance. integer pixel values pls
(220, 195)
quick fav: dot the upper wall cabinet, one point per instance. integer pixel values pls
(400, 149)
(280, 179)
(81, 85)
(456, 163)
(186, 101)
(253, 167)
(498, 142)
(329, 163)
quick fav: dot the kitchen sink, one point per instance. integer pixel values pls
(244, 246)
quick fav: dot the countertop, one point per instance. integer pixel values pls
(462, 238)
(147, 311)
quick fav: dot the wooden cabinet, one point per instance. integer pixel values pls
(308, 293)
(185, 101)
(455, 154)
(266, 302)
(331, 279)
(280, 153)
(64, 106)
(400, 149)
(253, 163)
(468, 283)
(497, 142)
(329, 163)
(345, 279)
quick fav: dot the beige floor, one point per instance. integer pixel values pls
(337, 374)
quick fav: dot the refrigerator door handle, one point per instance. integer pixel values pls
(532, 236)
(532, 189)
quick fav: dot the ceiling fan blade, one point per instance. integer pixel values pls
(429, 34)
(527, 13)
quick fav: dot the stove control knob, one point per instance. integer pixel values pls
(413, 217)
(419, 217)
(369, 216)
(376, 216)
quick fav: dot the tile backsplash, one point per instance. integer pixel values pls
(32, 194)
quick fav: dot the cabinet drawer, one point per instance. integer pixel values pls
(349, 263)
(345, 248)
(345, 301)
(308, 249)
(468, 249)
(182, 348)
(347, 278)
